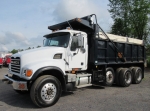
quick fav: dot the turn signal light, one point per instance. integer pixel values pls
(29, 72)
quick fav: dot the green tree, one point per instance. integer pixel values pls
(38, 46)
(119, 28)
(14, 51)
(21, 49)
(132, 15)
(29, 48)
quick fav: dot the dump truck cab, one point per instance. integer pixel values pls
(75, 45)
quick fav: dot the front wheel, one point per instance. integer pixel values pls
(45, 91)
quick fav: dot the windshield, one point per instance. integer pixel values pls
(57, 39)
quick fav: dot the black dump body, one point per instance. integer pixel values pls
(104, 52)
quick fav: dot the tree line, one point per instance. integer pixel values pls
(132, 19)
(19, 50)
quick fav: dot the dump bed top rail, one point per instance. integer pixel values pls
(82, 24)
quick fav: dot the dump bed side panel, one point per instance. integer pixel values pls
(105, 52)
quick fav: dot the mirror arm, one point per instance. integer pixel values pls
(43, 42)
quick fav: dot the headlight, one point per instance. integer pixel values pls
(57, 56)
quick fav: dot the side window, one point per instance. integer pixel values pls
(74, 43)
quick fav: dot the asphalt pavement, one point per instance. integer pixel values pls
(136, 97)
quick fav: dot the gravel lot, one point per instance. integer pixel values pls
(133, 98)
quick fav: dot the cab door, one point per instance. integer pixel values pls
(78, 55)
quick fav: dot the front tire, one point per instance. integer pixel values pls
(45, 91)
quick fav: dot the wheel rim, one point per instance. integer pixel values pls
(128, 77)
(109, 77)
(139, 76)
(48, 92)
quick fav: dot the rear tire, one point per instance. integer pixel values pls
(117, 76)
(45, 91)
(110, 76)
(125, 77)
(137, 75)
(131, 68)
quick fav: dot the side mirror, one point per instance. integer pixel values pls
(77, 42)
(74, 44)
(80, 41)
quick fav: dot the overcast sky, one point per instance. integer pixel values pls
(24, 22)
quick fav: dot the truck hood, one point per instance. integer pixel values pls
(38, 54)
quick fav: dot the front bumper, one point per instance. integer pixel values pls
(17, 84)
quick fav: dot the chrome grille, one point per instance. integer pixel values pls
(15, 64)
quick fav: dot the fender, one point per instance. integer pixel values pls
(38, 72)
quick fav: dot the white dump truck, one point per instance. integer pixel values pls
(78, 53)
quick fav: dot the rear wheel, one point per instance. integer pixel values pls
(137, 75)
(45, 91)
(131, 68)
(117, 76)
(109, 77)
(125, 77)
